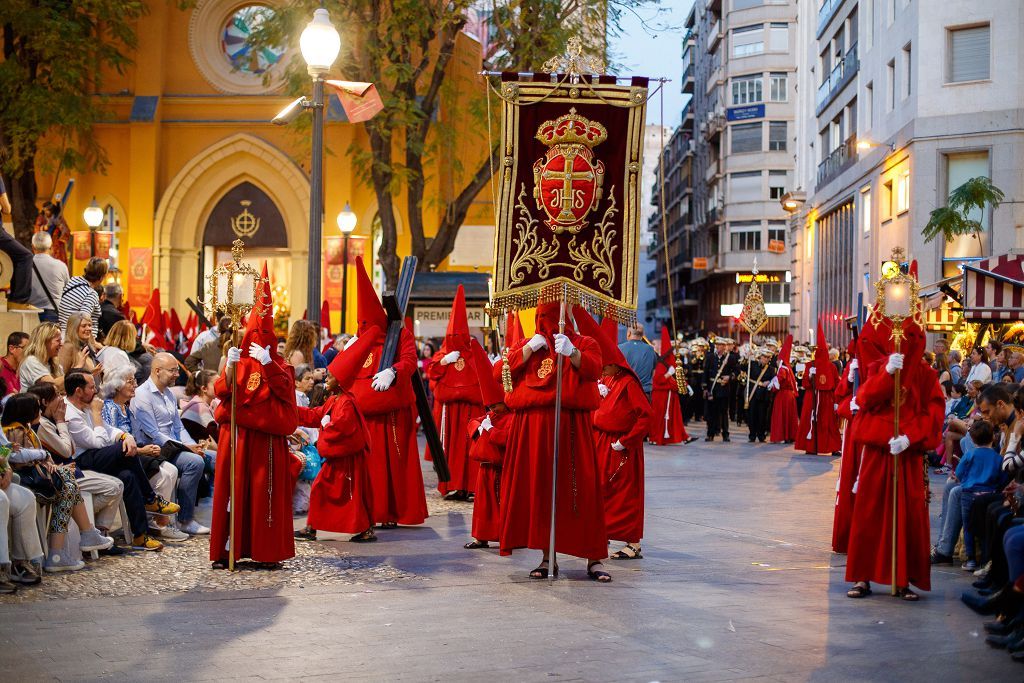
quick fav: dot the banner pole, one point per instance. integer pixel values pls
(558, 434)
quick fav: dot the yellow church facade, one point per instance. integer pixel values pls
(194, 162)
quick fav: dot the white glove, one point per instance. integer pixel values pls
(853, 406)
(895, 363)
(835, 406)
(617, 446)
(234, 355)
(351, 340)
(671, 372)
(486, 425)
(537, 343)
(602, 389)
(383, 380)
(813, 371)
(899, 444)
(563, 346)
(689, 390)
(450, 358)
(854, 365)
(325, 420)
(774, 384)
(260, 353)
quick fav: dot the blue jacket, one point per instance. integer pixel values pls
(981, 470)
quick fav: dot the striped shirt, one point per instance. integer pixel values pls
(78, 297)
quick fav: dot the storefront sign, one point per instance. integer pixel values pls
(140, 276)
(432, 321)
(700, 263)
(777, 246)
(753, 111)
(762, 278)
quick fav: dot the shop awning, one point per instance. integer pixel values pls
(941, 304)
(993, 289)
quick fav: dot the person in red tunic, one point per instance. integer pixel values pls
(388, 404)
(620, 424)
(666, 414)
(456, 401)
(526, 482)
(819, 424)
(784, 414)
(920, 424)
(489, 434)
(341, 499)
(264, 479)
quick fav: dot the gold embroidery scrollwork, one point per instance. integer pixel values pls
(599, 254)
(531, 250)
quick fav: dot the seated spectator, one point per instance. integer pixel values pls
(118, 390)
(197, 413)
(106, 449)
(106, 491)
(21, 555)
(40, 362)
(303, 385)
(303, 338)
(46, 478)
(110, 308)
(80, 348)
(980, 369)
(142, 358)
(49, 277)
(79, 294)
(121, 340)
(281, 343)
(157, 421)
(961, 402)
(979, 472)
(17, 342)
(211, 333)
(956, 429)
(956, 371)
(208, 356)
(21, 258)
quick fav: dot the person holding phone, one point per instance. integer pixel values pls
(80, 349)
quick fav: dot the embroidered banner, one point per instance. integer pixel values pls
(569, 207)
(140, 270)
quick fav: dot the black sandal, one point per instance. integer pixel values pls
(598, 575)
(219, 564)
(859, 592)
(389, 525)
(541, 572)
(366, 537)
(475, 545)
(628, 552)
(907, 594)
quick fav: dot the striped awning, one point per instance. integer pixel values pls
(941, 318)
(994, 288)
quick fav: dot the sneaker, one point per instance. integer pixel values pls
(161, 506)
(144, 542)
(984, 570)
(25, 574)
(7, 588)
(113, 551)
(170, 533)
(194, 528)
(939, 558)
(56, 562)
(94, 540)
(969, 566)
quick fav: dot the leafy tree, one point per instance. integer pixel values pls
(955, 219)
(406, 48)
(49, 71)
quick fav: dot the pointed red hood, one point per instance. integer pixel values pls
(369, 310)
(259, 328)
(821, 348)
(325, 317)
(456, 338)
(610, 353)
(786, 350)
(666, 345)
(491, 391)
(347, 364)
(513, 330)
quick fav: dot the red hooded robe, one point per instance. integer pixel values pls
(819, 423)
(785, 424)
(666, 415)
(264, 467)
(487, 448)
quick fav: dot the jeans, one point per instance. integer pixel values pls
(21, 279)
(190, 471)
(951, 517)
(966, 501)
(1013, 545)
(48, 315)
(137, 491)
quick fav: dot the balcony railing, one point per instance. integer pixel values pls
(825, 14)
(688, 79)
(842, 74)
(838, 161)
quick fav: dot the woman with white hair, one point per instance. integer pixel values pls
(118, 389)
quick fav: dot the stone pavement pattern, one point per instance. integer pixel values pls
(738, 583)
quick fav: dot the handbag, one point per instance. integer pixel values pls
(311, 462)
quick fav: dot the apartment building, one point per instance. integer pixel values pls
(655, 137)
(900, 101)
(744, 103)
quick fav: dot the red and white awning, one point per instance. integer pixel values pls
(994, 288)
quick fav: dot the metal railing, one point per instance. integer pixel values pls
(841, 74)
(838, 161)
(825, 14)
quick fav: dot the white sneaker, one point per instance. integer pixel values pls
(61, 563)
(194, 528)
(169, 533)
(94, 540)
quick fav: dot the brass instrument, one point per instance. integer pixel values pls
(681, 385)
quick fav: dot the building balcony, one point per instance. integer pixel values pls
(825, 14)
(840, 76)
(715, 36)
(713, 171)
(688, 79)
(838, 161)
(714, 6)
(687, 120)
(652, 277)
(743, 261)
(715, 79)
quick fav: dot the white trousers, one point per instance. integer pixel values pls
(106, 495)
(18, 518)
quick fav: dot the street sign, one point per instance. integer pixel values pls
(777, 246)
(753, 111)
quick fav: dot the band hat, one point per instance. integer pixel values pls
(723, 340)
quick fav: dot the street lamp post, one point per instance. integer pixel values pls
(320, 44)
(93, 215)
(346, 223)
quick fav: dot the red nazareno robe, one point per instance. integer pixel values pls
(341, 499)
(848, 469)
(526, 479)
(785, 426)
(488, 452)
(456, 402)
(921, 414)
(666, 415)
(263, 464)
(819, 424)
(623, 416)
(395, 476)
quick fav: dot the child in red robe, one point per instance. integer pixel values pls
(453, 379)
(666, 414)
(526, 482)
(620, 424)
(341, 499)
(784, 413)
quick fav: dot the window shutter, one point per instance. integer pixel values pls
(746, 137)
(970, 47)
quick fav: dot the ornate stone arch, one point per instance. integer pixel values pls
(190, 197)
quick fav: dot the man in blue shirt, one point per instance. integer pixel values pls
(641, 356)
(156, 420)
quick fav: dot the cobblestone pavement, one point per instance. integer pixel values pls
(737, 583)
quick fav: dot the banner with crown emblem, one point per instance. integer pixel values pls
(569, 206)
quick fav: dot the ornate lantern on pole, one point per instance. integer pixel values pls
(234, 289)
(896, 299)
